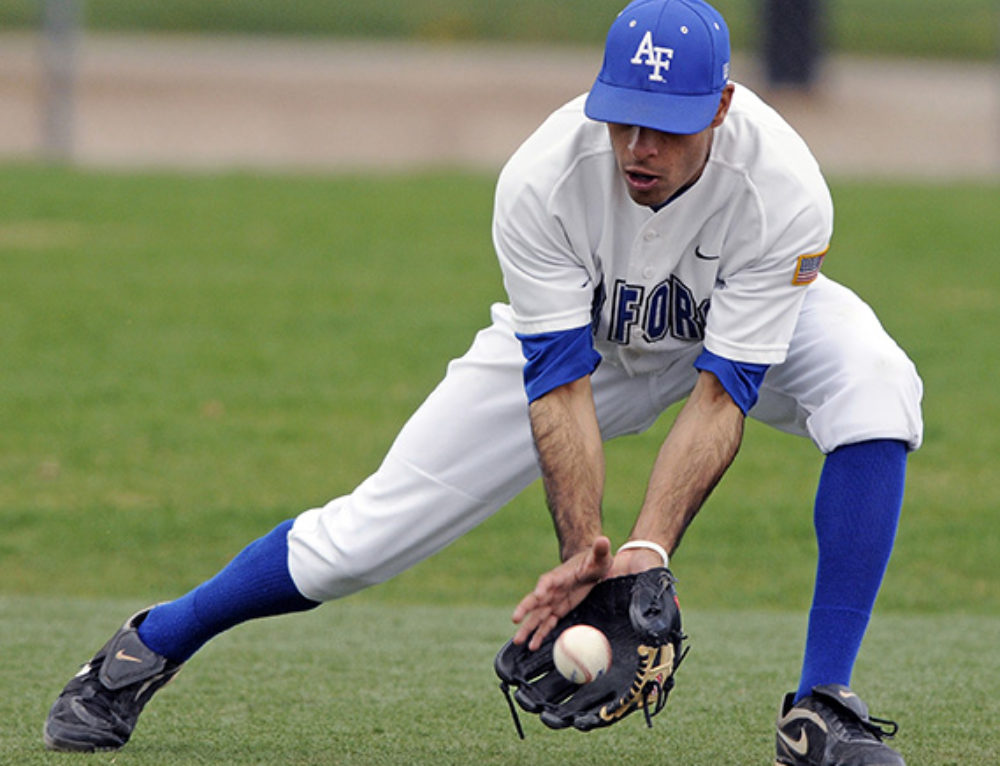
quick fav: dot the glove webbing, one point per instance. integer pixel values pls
(656, 687)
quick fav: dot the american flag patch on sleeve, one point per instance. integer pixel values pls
(807, 268)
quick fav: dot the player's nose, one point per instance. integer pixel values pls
(645, 142)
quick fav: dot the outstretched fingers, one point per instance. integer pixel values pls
(560, 590)
(539, 611)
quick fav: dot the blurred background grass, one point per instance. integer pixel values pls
(926, 28)
(190, 359)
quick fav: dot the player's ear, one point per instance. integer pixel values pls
(724, 102)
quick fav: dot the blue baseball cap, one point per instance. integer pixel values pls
(666, 63)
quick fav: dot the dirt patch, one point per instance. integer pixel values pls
(324, 105)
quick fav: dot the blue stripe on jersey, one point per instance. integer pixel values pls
(556, 358)
(740, 379)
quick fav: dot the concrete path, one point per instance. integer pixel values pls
(322, 105)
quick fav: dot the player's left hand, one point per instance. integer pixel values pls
(560, 590)
(641, 618)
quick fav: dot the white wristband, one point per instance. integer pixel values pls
(649, 545)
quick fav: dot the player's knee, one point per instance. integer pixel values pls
(893, 375)
(890, 384)
(320, 562)
(879, 399)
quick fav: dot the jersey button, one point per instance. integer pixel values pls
(649, 236)
(648, 272)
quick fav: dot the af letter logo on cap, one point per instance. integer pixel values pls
(655, 56)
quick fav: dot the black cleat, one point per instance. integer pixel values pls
(831, 727)
(98, 708)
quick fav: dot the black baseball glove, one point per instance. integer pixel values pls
(641, 617)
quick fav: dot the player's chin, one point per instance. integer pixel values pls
(647, 198)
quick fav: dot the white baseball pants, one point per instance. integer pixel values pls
(468, 449)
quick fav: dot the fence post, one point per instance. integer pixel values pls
(61, 21)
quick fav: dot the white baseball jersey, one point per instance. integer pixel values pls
(745, 240)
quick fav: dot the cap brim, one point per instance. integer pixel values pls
(668, 112)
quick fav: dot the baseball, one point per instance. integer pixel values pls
(582, 654)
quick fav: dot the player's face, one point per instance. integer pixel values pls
(656, 165)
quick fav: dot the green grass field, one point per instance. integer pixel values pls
(364, 685)
(187, 360)
(969, 29)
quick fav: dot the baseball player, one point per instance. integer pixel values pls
(660, 239)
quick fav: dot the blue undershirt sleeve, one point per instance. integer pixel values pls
(553, 359)
(740, 379)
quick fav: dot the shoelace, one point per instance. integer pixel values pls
(97, 702)
(875, 727)
(879, 728)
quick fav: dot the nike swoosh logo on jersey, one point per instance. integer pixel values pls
(704, 256)
(121, 655)
(800, 745)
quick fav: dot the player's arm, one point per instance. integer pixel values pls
(571, 457)
(699, 448)
(696, 453)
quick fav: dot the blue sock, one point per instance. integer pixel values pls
(254, 584)
(856, 515)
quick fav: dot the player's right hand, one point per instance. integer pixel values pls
(560, 590)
